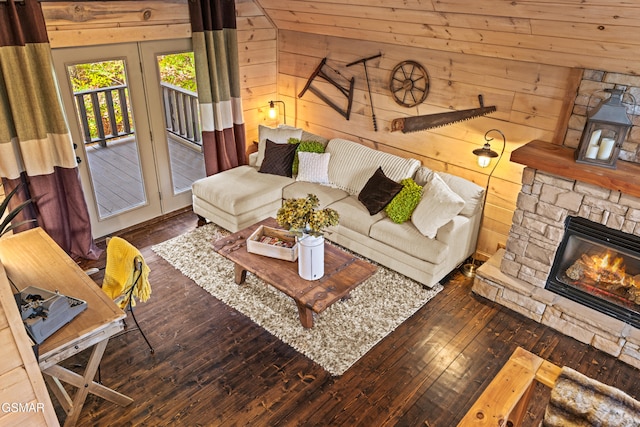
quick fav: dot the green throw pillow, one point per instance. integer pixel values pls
(308, 146)
(403, 204)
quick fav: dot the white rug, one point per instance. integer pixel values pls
(341, 335)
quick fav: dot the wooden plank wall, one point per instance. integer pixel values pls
(102, 22)
(525, 57)
(529, 106)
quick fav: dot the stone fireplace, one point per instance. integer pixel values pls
(555, 188)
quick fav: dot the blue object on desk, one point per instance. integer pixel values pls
(44, 312)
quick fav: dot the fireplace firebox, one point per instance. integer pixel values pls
(598, 267)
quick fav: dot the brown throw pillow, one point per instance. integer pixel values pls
(278, 158)
(378, 192)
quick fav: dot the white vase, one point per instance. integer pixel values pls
(311, 257)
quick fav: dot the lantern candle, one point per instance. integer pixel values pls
(592, 152)
(595, 137)
(606, 148)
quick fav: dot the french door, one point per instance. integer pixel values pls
(136, 136)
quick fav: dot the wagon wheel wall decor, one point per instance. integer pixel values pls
(409, 83)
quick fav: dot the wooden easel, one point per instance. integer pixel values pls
(347, 92)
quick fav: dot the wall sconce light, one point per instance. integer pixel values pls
(605, 131)
(485, 155)
(273, 112)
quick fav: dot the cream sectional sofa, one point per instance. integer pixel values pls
(237, 198)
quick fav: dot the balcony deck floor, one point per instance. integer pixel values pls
(117, 180)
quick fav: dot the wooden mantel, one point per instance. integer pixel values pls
(559, 160)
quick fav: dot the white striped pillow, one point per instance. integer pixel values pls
(352, 164)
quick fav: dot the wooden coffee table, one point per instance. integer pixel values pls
(342, 272)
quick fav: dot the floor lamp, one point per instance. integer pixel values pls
(273, 113)
(484, 157)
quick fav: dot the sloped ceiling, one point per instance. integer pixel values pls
(572, 33)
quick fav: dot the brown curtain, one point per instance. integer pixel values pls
(215, 47)
(36, 149)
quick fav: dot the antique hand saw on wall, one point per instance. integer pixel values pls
(347, 92)
(428, 121)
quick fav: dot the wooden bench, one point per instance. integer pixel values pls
(505, 401)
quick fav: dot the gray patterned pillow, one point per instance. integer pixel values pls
(279, 135)
(278, 158)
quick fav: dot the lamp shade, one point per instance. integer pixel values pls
(485, 154)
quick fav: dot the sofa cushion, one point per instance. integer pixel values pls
(402, 206)
(438, 206)
(352, 165)
(354, 216)
(470, 192)
(278, 158)
(240, 189)
(407, 238)
(279, 135)
(313, 167)
(308, 136)
(326, 195)
(378, 192)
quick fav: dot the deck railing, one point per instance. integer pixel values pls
(104, 113)
(109, 114)
(181, 110)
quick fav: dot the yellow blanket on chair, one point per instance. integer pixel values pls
(120, 273)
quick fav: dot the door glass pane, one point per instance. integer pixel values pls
(103, 108)
(182, 119)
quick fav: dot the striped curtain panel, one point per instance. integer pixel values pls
(215, 47)
(36, 151)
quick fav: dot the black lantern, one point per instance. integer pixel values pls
(605, 131)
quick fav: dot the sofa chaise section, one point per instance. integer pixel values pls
(238, 197)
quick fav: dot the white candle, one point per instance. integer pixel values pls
(595, 137)
(592, 151)
(606, 147)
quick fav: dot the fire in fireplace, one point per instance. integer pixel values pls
(600, 268)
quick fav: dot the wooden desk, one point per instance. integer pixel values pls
(32, 258)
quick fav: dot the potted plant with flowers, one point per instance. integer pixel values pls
(303, 218)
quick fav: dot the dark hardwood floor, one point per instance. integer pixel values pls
(213, 366)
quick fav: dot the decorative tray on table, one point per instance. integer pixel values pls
(274, 243)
